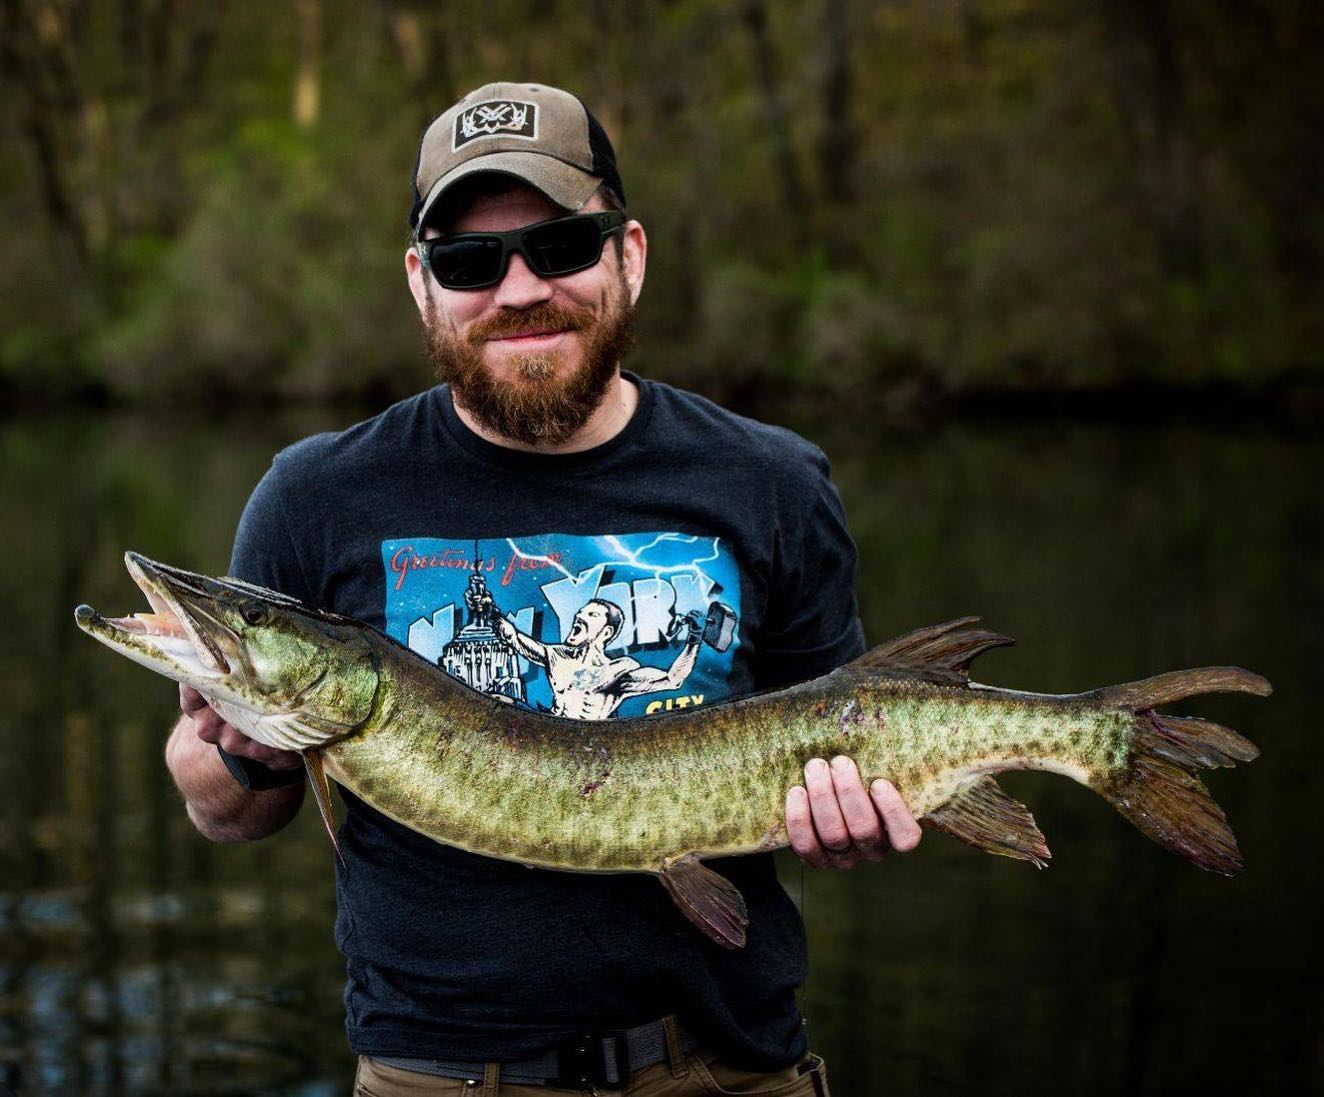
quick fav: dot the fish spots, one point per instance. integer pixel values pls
(603, 757)
(1119, 755)
(773, 838)
(852, 716)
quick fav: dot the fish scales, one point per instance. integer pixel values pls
(660, 794)
(626, 794)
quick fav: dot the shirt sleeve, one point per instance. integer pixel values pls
(812, 624)
(264, 550)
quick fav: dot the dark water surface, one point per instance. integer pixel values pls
(137, 958)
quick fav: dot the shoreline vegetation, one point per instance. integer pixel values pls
(1002, 206)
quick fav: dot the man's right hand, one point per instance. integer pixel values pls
(211, 728)
(221, 807)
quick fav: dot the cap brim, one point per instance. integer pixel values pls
(566, 185)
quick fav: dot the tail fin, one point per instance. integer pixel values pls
(1159, 793)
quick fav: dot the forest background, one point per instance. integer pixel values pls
(1041, 277)
(894, 202)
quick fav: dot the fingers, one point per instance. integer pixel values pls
(195, 706)
(233, 741)
(823, 805)
(857, 810)
(190, 700)
(815, 823)
(834, 822)
(800, 829)
(902, 830)
(210, 728)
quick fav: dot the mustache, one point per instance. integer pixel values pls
(547, 316)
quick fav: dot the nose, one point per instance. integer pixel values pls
(521, 287)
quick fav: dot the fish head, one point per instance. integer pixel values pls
(286, 675)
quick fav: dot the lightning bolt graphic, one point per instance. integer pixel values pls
(635, 558)
(632, 558)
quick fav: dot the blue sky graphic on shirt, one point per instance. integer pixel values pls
(629, 593)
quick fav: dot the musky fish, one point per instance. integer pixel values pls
(661, 794)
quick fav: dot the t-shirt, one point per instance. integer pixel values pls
(412, 522)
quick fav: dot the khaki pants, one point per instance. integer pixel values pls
(698, 1075)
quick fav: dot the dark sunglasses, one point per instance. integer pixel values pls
(563, 245)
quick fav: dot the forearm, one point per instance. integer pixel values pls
(683, 665)
(217, 804)
(525, 646)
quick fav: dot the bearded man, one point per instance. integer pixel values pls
(463, 970)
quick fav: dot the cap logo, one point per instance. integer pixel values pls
(505, 117)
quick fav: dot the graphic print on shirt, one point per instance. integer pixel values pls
(580, 626)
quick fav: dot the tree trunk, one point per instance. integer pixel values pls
(774, 115)
(1152, 100)
(837, 145)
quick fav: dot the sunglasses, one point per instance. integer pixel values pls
(563, 245)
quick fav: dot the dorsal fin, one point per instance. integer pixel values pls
(940, 653)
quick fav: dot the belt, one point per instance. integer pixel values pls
(588, 1058)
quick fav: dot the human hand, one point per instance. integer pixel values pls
(212, 729)
(691, 625)
(500, 625)
(694, 622)
(832, 822)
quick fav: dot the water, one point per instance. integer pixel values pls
(137, 958)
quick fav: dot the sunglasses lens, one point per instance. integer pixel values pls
(465, 264)
(564, 246)
(554, 248)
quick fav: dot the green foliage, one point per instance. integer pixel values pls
(1008, 195)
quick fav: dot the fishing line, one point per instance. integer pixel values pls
(804, 987)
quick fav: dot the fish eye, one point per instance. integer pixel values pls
(255, 613)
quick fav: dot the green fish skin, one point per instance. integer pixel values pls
(661, 794)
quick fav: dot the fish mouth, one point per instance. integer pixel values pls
(178, 637)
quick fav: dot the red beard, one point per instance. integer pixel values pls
(544, 407)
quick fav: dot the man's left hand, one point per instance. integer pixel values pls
(833, 822)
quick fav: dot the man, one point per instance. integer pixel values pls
(525, 270)
(586, 682)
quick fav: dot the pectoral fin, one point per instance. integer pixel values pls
(989, 819)
(707, 899)
(312, 760)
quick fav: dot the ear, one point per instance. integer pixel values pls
(418, 280)
(634, 257)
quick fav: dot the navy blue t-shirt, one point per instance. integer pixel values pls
(409, 521)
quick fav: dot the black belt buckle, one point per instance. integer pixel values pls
(581, 1061)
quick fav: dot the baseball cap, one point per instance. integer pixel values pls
(539, 134)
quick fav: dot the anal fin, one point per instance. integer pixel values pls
(312, 760)
(707, 899)
(988, 819)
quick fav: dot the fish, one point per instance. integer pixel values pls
(663, 794)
